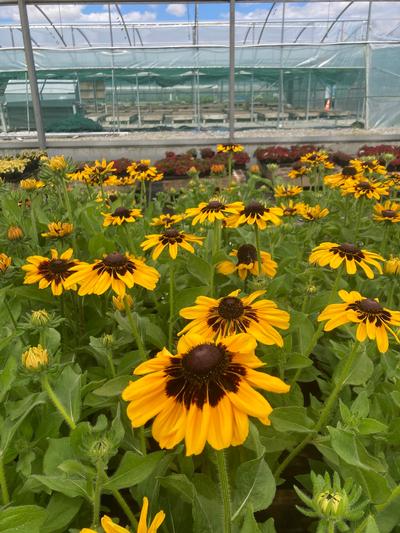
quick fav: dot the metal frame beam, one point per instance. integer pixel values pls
(232, 70)
(30, 65)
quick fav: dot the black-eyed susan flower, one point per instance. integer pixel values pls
(333, 254)
(291, 209)
(374, 321)
(314, 159)
(247, 263)
(255, 213)
(31, 184)
(143, 171)
(227, 148)
(310, 213)
(121, 215)
(94, 174)
(5, 262)
(56, 230)
(166, 220)
(53, 272)
(387, 212)
(368, 167)
(285, 191)
(215, 209)
(392, 266)
(229, 315)
(366, 188)
(202, 394)
(111, 527)
(116, 271)
(337, 179)
(172, 238)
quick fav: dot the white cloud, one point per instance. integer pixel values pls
(74, 13)
(178, 10)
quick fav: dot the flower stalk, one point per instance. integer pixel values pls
(5, 496)
(56, 402)
(225, 490)
(135, 330)
(171, 304)
(325, 413)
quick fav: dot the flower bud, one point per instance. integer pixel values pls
(193, 172)
(119, 302)
(107, 340)
(39, 318)
(5, 262)
(392, 266)
(35, 358)
(14, 233)
(255, 169)
(57, 162)
(100, 449)
(272, 167)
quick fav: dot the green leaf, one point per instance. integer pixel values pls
(180, 484)
(367, 426)
(291, 419)
(207, 506)
(113, 387)
(361, 371)
(23, 519)
(67, 486)
(199, 268)
(152, 332)
(388, 516)
(352, 451)
(255, 486)
(58, 451)
(133, 469)
(187, 297)
(59, 513)
(372, 527)
(68, 389)
(7, 376)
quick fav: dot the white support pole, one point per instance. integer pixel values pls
(231, 70)
(30, 66)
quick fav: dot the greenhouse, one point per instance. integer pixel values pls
(335, 65)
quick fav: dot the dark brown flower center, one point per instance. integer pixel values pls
(230, 307)
(289, 211)
(247, 254)
(389, 213)
(370, 306)
(122, 212)
(214, 205)
(203, 359)
(58, 266)
(349, 248)
(112, 197)
(349, 171)
(115, 260)
(171, 233)
(142, 168)
(364, 185)
(254, 208)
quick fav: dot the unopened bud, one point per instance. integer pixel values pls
(35, 358)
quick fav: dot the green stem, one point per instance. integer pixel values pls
(10, 313)
(34, 225)
(318, 333)
(56, 402)
(225, 490)
(142, 438)
(142, 194)
(257, 233)
(124, 506)
(331, 527)
(358, 221)
(385, 239)
(70, 213)
(325, 413)
(97, 495)
(214, 249)
(230, 158)
(135, 330)
(171, 303)
(5, 496)
(111, 363)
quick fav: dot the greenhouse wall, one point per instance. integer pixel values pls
(289, 74)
